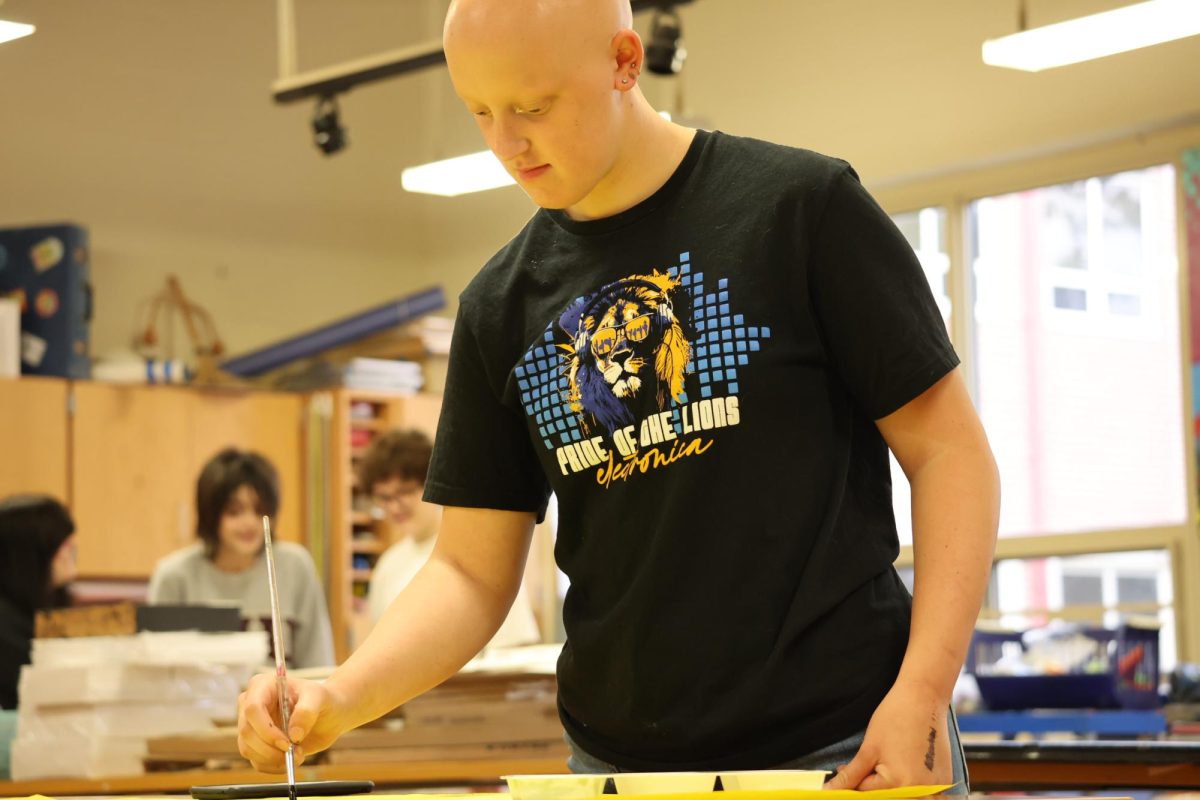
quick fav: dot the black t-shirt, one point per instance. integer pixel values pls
(696, 379)
(16, 635)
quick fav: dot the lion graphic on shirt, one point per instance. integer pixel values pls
(625, 342)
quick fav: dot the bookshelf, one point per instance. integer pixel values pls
(357, 536)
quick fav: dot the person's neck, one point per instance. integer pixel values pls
(228, 561)
(651, 151)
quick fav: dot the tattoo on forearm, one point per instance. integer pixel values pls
(929, 752)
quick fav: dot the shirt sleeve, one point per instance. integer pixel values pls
(166, 587)
(482, 454)
(878, 319)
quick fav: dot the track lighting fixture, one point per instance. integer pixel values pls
(665, 53)
(328, 134)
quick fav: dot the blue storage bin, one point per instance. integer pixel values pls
(1128, 677)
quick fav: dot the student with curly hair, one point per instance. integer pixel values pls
(393, 470)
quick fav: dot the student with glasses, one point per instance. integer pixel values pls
(393, 471)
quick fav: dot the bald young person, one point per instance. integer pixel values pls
(704, 345)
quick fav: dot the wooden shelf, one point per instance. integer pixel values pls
(379, 397)
(387, 411)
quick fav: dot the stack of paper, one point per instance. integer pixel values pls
(87, 706)
(435, 333)
(382, 373)
(372, 374)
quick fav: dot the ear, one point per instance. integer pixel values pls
(628, 55)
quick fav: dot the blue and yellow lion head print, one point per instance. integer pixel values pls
(625, 343)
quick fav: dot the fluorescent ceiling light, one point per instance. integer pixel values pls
(14, 30)
(1095, 36)
(476, 172)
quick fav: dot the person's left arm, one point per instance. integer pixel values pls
(940, 444)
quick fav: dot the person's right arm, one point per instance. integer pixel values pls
(438, 623)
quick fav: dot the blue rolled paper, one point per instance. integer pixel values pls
(335, 334)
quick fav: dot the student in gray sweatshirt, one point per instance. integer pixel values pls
(235, 490)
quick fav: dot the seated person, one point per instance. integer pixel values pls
(393, 470)
(37, 562)
(227, 566)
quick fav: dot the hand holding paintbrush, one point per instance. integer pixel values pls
(309, 788)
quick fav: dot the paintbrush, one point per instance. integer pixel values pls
(280, 662)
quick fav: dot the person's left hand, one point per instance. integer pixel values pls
(907, 744)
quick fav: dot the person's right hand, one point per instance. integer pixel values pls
(314, 721)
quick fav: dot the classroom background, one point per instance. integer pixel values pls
(206, 241)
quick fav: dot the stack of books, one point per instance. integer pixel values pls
(371, 374)
(383, 374)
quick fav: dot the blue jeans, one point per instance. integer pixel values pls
(828, 758)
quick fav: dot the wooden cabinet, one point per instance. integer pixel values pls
(137, 451)
(130, 472)
(33, 437)
(355, 537)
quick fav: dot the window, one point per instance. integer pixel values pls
(1066, 301)
(1076, 352)
(925, 230)
(1090, 241)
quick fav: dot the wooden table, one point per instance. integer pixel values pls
(1103, 764)
(426, 774)
(994, 766)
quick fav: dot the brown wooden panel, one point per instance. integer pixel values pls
(268, 423)
(132, 476)
(33, 437)
(340, 476)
